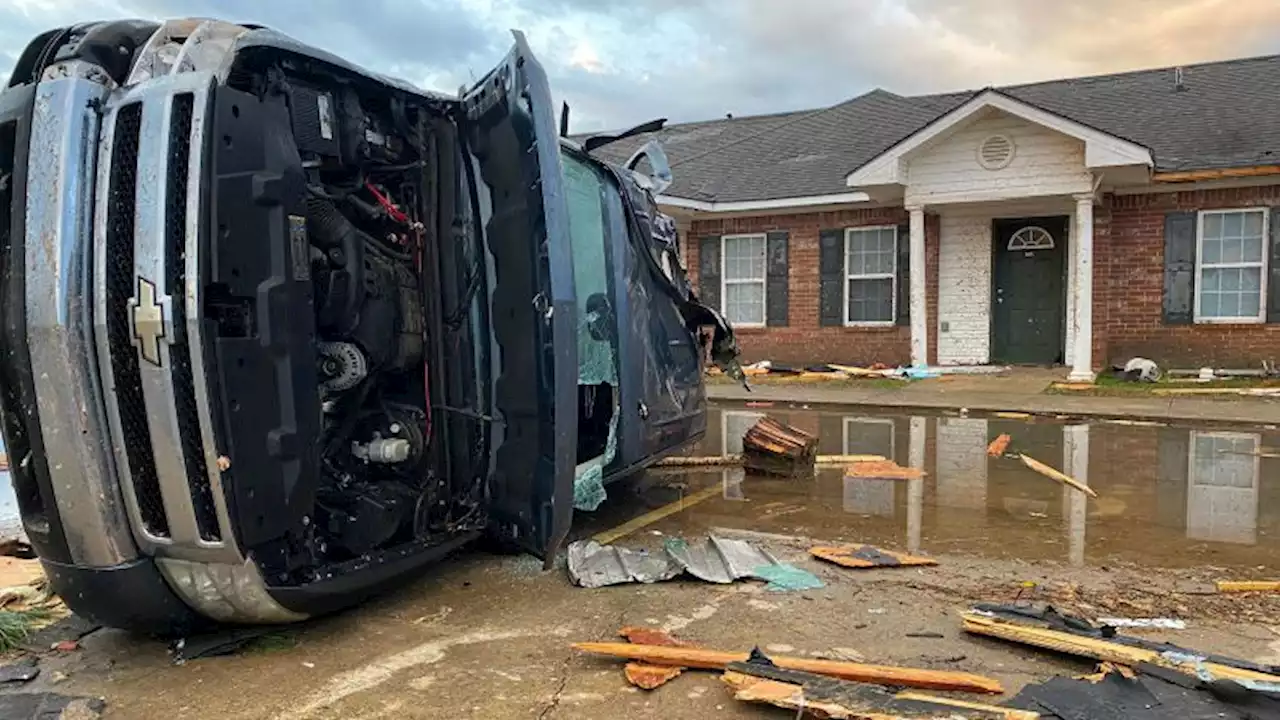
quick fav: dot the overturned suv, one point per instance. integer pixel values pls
(278, 332)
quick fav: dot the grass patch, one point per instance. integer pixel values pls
(17, 625)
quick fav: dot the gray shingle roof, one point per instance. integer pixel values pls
(1224, 115)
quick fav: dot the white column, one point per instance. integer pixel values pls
(1082, 291)
(1075, 462)
(919, 300)
(915, 488)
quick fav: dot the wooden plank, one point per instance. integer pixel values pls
(654, 516)
(999, 445)
(868, 706)
(735, 459)
(1218, 174)
(883, 469)
(879, 674)
(1102, 650)
(1235, 586)
(1052, 474)
(867, 556)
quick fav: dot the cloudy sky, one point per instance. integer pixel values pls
(620, 62)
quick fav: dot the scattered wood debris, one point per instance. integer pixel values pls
(775, 449)
(719, 660)
(1236, 586)
(734, 459)
(1013, 415)
(1052, 474)
(999, 445)
(1096, 648)
(650, 677)
(761, 681)
(867, 556)
(883, 470)
(642, 674)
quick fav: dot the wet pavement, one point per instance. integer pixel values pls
(484, 636)
(1169, 496)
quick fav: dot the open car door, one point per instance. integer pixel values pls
(510, 130)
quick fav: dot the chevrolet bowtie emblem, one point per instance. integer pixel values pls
(147, 316)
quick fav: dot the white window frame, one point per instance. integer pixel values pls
(893, 277)
(861, 420)
(1261, 317)
(1233, 436)
(763, 281)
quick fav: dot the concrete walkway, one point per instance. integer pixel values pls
(1020, 391)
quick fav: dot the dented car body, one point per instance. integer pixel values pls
(279, 332)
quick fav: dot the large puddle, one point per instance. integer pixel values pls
(1168, 496)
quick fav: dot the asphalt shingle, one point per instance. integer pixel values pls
(1221, 115)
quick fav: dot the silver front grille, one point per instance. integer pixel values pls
(147, 302)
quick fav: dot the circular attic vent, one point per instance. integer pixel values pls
(995, 152)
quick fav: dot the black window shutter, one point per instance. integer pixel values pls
(1273, 260)
(709, 271)
(1179, 268)
(776, 294)
(831, 277)
(904, 275)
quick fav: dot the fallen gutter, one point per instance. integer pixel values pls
(1218, 174)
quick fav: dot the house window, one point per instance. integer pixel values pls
(1222, 495)
(863, 496)
(1231, 272)
(870, 267)
(743, 275)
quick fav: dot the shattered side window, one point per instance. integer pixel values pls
(592, 274)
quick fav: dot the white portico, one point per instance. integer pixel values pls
(1013, 187)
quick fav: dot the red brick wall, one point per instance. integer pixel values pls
(1129, 286)
(804, 340)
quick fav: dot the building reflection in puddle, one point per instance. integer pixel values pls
(1162, 490)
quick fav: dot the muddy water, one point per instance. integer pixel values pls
(1168, 496)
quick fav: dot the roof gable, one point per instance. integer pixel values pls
(1101, 149)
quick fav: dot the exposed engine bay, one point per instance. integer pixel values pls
(365, 160)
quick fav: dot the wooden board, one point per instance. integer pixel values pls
(1052, 474)
(879, 674)
(999, 446)
(1101, 650)
(867, 556)
(883, 470)
(855, 705)
(734, 459)
(1234, 586)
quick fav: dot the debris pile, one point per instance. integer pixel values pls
(717, 560)
(772, 448)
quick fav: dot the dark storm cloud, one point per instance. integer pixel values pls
(619, 62)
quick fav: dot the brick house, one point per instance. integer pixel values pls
(1076, 222)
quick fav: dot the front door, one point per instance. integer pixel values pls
(1029, 299)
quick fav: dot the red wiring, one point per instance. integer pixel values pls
(394, 212)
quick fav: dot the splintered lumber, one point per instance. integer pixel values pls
(776, 449)
(733, 459)
(839, 699)
(882, 470)
(644, 675)
(1052, 474)
(650, 677)
(1235, 586)
(653, 516)
(999, 445)
(718, 660)
(867, 556)
(1105, 651)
